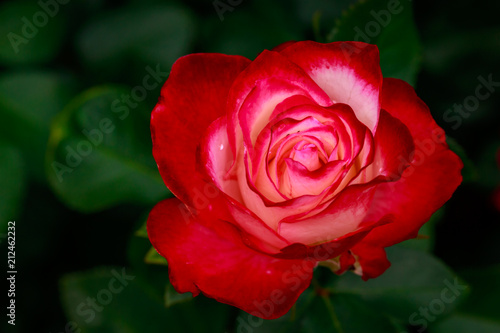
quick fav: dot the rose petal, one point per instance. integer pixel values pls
(427, 184)
(344, 215)
(393, 146)
(191, 99)
(269, 71)
(217, 158)
(210, 257)
(349, 72)
(344, 133)
(372, 259)
(333, 248)
(299, 181)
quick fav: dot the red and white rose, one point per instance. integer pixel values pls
(304, 155)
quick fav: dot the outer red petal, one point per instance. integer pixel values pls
(427, 184)
(209, 256)
(193, 97)
(393, 147)
(372, 259)
(283, 46)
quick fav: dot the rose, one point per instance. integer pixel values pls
(304, 155)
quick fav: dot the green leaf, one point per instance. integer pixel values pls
(389, 25)
(29, 33)
(479, 313)
(114, 299)
(249, 30)
(289, 323)
(143, 231)
(426, 235)
(415, 280)
(12, 183)
(28, 102)
(319, 14)
(483, 300)
(345, 314)
(461, 323)
(153, 257)
(99, 153)
(323, 312)
(153, 35)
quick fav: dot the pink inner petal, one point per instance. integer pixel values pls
(307, 155)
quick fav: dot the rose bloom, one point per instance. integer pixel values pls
(305, 155)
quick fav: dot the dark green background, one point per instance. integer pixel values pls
(71, 234)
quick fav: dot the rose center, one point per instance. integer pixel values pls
(307, 154)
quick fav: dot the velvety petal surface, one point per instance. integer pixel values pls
(427, 184)
(210, 257)
(270, 79)
(344, 215)
(349, 72)
(371, 259)
(194, 95)
(393, 148)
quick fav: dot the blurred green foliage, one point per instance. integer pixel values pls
(389, 24)
(77, 84)
(99, 152)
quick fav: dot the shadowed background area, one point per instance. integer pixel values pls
(78, 81)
